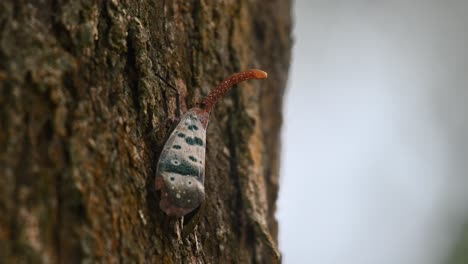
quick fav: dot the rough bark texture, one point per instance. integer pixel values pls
(84, 105)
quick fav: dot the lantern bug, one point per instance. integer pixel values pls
(181, 167)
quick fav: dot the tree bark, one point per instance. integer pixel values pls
(85, 99)
(459, 255)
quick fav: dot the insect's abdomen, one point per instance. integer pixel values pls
(181, 167)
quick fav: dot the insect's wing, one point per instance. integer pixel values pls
(181, 167)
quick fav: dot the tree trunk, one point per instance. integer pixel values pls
(85, 99)
(459, 255)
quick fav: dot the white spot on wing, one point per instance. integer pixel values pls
(169, 154)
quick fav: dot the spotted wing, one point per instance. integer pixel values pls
(181, 167)
(184, 151)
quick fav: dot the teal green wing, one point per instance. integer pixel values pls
(181, 167)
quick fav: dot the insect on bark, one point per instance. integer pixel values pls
(181, 167)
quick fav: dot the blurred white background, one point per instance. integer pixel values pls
(375, 139)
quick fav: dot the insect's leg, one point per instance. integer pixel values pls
(178, 97)
(197, 246)
(178, 231)
(194, 220)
